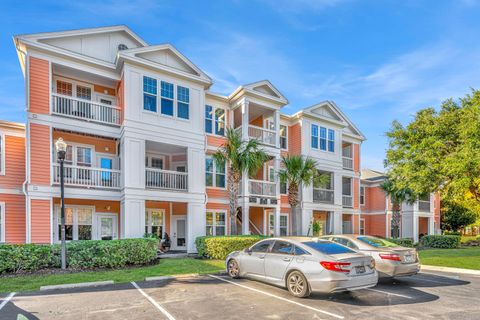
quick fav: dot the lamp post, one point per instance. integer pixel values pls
(61, 148)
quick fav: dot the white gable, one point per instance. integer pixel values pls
(102, 46)
(266, 90)
(327, 112)
(168, 58)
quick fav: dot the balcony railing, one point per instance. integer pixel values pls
(87, 177)
(262, 188)
(85, 109)
(323, 195)
(166, 179)
(423, 206)
(263, 135)
(347, 163)
(347, 201)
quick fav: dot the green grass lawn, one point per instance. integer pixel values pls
(467, 257)
(163, 268)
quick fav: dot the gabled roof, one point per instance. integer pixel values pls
(263, 88)
(372, 175)
(166, 57)
(329, 111)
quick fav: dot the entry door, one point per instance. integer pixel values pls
(107, 227)
(179, 236)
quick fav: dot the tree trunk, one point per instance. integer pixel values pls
(395, 232)
(233, 181)
(296, 210)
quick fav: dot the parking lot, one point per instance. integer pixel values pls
(424, 296)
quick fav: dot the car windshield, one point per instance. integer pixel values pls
(377, 242)
(327, 247)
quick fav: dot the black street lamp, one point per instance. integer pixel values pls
(61, 148)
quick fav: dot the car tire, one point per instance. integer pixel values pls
(233, 269)
(297, 285)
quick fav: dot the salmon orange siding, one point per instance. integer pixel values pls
(295, 139)
(375, 224)
(374, 199)
(356, 223)
(356, 202)
(101, 145)
(14, 217)
(40, 221)
(217, 193)
(14, 163)
(40, 148)
(356, 157)
(39, 73)
(215, 141)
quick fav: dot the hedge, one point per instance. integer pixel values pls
(440, 241)
(80, 255)
(220, 247)
(404, 242)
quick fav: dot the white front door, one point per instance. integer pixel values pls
(107, 225)
(179, 232)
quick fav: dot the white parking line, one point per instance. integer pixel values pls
(280, 298)
(152, 301)
(6, 300)
(390, 293)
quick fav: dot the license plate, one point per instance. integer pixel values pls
(360, 269)
(409, 259)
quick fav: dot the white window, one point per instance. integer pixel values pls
(283, 137)
(155, 222)
(214, 173)
(149, 94)
(2, 222)
(322, 138)
(362, 195)
(215, 223)
(331, 140)
(84, 92)
(2, 154)
(78, 155)
(64, 88)
(271, 225)
(271, 174)
(283, 225)
(215, 119)
(78, 223)
(183, 100)
(362, 226)
(314, 136)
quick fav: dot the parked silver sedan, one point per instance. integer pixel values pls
(391, 260)
(304, 265)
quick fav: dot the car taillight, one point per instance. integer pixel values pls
(390, 256)
(336, 266)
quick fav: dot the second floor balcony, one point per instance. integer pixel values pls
(262, 188)
(424, 205)
(262, 135)
(347, 201)
(166, 179)
(347, 155)
(323, 196)
(89, 177)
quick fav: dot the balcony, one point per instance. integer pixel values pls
(87, 177)
(262, 135)
(323, 196)
(347, 163)
(423, 206)
(262, 188)
(166, 179)
(87, 110)
(347, 201)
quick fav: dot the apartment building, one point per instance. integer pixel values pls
(141, 126)
(421, 217)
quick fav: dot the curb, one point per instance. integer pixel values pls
(449, 269)
(172, 277)
(76, 285)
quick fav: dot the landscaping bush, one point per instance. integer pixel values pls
(220, 247)
(404, 242)
(440, 241)
(80, 255)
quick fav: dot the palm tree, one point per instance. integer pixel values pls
(242, 157)
(397, 197)
(299, 171)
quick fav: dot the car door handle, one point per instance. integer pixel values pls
(261, 257)
(287, 259)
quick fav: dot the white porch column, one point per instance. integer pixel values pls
(132, 218)
(307, 215)
(246, 218)
(337, 222)
(276, 166)
(133, 162)
(245, 119)
(431, 226)
(196, 170)
(277, 220)
(415, 228)
(196, 224)
(277, 128)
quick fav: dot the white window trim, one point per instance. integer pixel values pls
(359, 226)
(147, 223)
(214, 221)
(362, 196)
(2, 221)
(319, 149)
(3, 154)
(214, 122)
(151, 155)
(288, 222)
(286, 136)
(75, 145)
(76, 83)
(57, 221)
(214, 175)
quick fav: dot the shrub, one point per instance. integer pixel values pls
(220, 247)
(451, 233)
(440, 241)
(80, 255)
(404, 242)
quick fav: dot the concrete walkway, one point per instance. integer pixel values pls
(448, 269)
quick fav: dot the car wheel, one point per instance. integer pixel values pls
(297, 284)
(233, 269)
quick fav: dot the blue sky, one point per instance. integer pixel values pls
(378, 60)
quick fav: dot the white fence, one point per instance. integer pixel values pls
(262, 188)
(323, 195)
(347, 163)
(87, 176)
(166, 179)
(347, 201)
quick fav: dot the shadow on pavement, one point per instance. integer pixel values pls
(11, 312)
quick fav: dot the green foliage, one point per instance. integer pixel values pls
(221, 247)
(80, 255)
(404, 242)
(456, 216)
(439, 151)
(316, 228)
(440, 242)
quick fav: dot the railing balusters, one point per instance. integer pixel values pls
(87, 176)
(166, 179)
